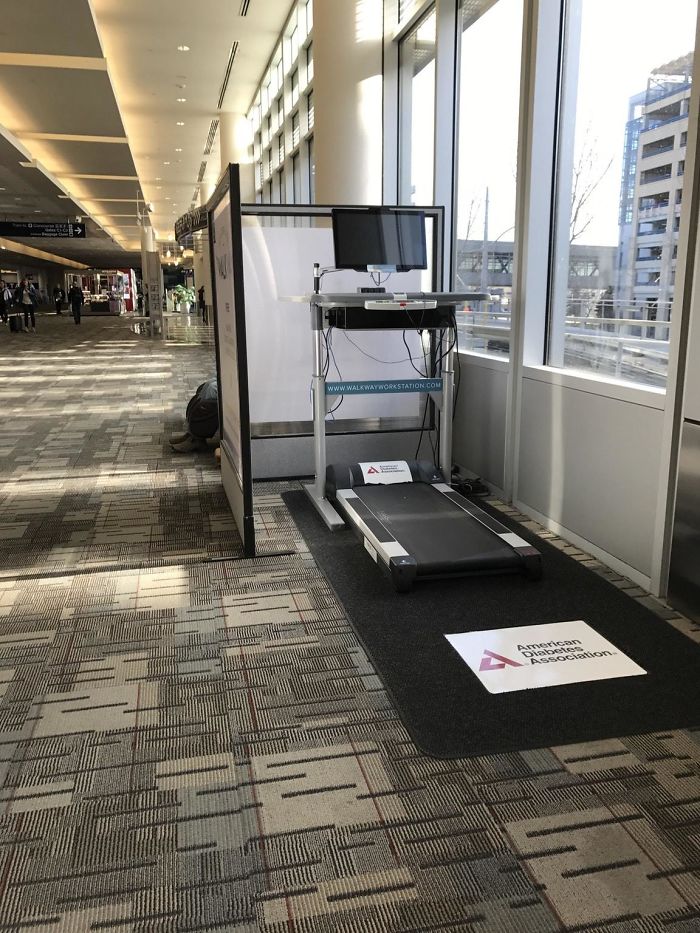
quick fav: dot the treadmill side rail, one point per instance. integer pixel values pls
(530, 556)
(378, 540)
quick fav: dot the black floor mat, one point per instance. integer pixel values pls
(444, 706)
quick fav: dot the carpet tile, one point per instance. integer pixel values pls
(192, 741)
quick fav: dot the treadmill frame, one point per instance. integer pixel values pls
(389, 553)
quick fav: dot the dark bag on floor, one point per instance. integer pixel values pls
(15, 323)
(203, 410)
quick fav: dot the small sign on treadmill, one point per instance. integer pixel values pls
(386, 471)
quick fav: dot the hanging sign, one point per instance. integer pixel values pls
(55, 230)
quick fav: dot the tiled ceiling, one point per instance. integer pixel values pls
(89, 93)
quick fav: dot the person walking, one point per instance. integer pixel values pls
(202, 303)
(59, 296)
(5, 301)
(76, 300)
(25, 296)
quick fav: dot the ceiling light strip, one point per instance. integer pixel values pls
(31, 60)
(227, 75)
(244, 8)
(68, 138)
(35, 253)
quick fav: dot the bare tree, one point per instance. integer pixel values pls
(586, 178)
(474, 208)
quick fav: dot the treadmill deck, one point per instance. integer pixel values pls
(433, 529)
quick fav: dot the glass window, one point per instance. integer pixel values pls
(310, 109)
(417, 112)
(280, 149)
(309, 15)
(281, 187)
(296, 178)
(294, 42)
(648, 89)
(310, 62)
(295, 86)
(279, 70)
(486, 170)
(312, 170)
(295, 130)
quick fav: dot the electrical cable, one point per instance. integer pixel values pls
(331, 354)
(459, 366)
(376, 359)
(405, 343)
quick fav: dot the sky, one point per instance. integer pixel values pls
(622, 41)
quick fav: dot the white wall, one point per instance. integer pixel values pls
(589, 463)
(480, 418)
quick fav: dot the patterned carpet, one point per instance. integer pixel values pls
(192, 741)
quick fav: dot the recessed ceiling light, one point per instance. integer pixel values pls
(183, 48)
(182, 100)
(178, 150)
(180, 123)
(37, 212)
(18, 199)
(166, 163)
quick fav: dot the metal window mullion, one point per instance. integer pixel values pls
(542, 23)
(447, 43)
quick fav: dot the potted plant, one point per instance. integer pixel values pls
(183, 295)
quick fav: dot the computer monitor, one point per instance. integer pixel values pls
(379, 239)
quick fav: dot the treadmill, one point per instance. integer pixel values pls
(410, 521)
(421, 528)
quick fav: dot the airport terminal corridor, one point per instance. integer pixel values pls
(190, 740)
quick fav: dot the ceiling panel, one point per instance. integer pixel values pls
(39, 26)
(149, 74)
(88, 188)
(58, 100)
(61, 156)
(166, 136)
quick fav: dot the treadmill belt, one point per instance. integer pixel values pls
(441, 536)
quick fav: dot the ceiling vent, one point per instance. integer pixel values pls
(227, 75)
(202, 170)
(244, 8)
(211, 137)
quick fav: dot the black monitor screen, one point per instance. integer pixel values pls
(379, 237)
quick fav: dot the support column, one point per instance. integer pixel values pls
(235, 140)
(152, 276)
(348, 43)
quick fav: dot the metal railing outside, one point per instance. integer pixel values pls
(623, 347)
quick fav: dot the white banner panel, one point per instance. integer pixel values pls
(278, 263)
(531, 656)
(226, 319)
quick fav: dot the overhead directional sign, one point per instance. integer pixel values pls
(64, 230)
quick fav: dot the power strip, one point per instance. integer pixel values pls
(406, 304)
